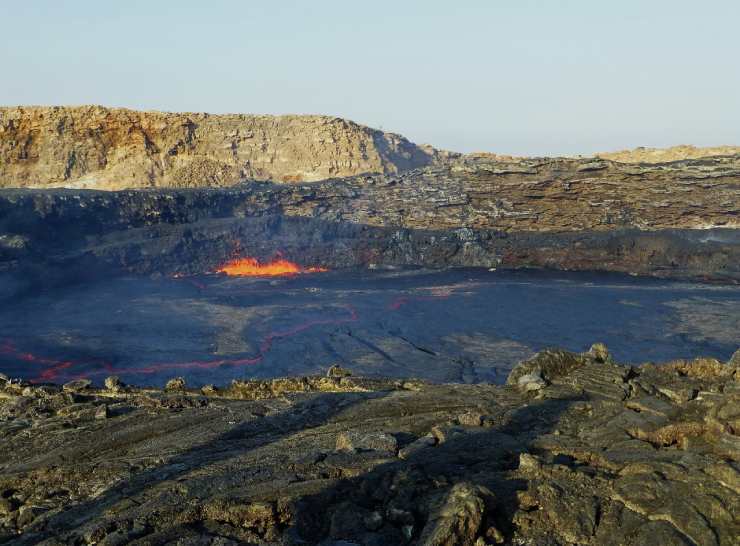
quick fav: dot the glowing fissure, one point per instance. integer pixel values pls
(57, 370)
(251, 267)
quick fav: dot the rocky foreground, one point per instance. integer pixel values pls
(575, 449)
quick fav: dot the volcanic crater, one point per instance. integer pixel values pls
(298, 330)
(445, 272)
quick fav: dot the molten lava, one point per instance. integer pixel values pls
(251, 267)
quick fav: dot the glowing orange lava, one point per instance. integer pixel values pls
(251, 267)
(61, 370)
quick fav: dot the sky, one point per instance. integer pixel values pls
(518, 77)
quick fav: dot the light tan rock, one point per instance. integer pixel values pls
(662, 155)
(113, 148)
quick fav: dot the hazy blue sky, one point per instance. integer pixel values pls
(517, 76)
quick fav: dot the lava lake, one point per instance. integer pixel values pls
(457, 325)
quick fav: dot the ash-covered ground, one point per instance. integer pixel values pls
(463, 325)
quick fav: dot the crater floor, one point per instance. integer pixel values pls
(462, 325)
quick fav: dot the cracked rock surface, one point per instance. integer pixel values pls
(600, 454)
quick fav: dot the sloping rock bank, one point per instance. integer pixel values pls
(574, 450)
(116, 148)
(675, 220)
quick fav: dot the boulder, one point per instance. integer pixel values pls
(114, 383)
(471, 419)
(457, 517)
(416, 446)
(77, 385)
(548, 364)
(175, 384)
(367, 441)
(531, 382)
(599, 352)
(338, 372)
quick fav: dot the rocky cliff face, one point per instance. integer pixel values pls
(106, 148)
(112, 148)
(678, 220)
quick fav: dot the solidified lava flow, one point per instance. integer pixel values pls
(54, 370)
(251, 267)
(57, 370)
(438, 293)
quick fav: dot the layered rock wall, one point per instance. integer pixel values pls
(677, 220)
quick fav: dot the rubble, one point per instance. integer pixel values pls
(602, 454)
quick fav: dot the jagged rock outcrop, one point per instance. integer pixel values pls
(113, 148)
(602, 455)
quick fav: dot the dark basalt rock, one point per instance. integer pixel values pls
(540, 213)
(602, 454)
